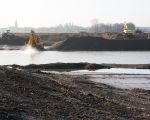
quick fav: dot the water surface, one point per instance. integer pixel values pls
(122, 78)
(117, 77)
(29, 56)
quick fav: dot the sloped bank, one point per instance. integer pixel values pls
(32, 95)
(90, 66)
(98, 44)
(16, 41)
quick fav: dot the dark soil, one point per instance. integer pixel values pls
(90, 42)
(32, 95)
(17, 41)
(90, 66)
(100, 44)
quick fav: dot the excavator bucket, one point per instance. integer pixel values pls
(33, 39)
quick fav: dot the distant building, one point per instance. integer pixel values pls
(16, 24)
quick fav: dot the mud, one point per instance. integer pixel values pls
(89, 66)
(32, 95)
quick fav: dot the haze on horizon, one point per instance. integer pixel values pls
(48, 13)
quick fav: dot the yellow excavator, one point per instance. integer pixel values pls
(34, 41)
(127, 30)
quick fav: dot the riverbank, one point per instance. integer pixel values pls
(80, 66)
(101, 44)
(30, 94)
(85, 42)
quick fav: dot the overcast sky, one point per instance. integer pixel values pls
(37, 13)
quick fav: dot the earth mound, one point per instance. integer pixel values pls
(100, 44)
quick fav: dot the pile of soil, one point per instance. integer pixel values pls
(17, 40)
(33, 95)
(99, 43)
(73, 66)
(90, 42)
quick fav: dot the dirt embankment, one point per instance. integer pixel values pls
(46, 38)
(90, 66)
(17, 41)
(99, 44)
(32, 95)
(87, 42)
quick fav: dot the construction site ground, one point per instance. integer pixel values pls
(29, 94)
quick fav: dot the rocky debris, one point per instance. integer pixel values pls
(30, 95)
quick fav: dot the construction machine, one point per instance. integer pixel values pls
(34, 41)
(8, 35)
(127, 30)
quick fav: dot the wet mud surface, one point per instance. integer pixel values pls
(90, 66)
(29, 94)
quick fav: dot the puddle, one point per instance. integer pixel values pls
(117, 77)
(124, 81)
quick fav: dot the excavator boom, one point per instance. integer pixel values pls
(34, 40)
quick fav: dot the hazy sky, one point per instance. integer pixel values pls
(47, 13)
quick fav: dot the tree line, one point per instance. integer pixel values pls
(70, 28)
(112, 28)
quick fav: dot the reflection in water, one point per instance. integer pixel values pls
(124, 81)
(32, 53)
(114, 71)
(5, 47)
(119, 77)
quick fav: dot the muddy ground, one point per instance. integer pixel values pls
(82, 65)
(33, 95)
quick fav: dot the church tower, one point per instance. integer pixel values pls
(16, 24)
